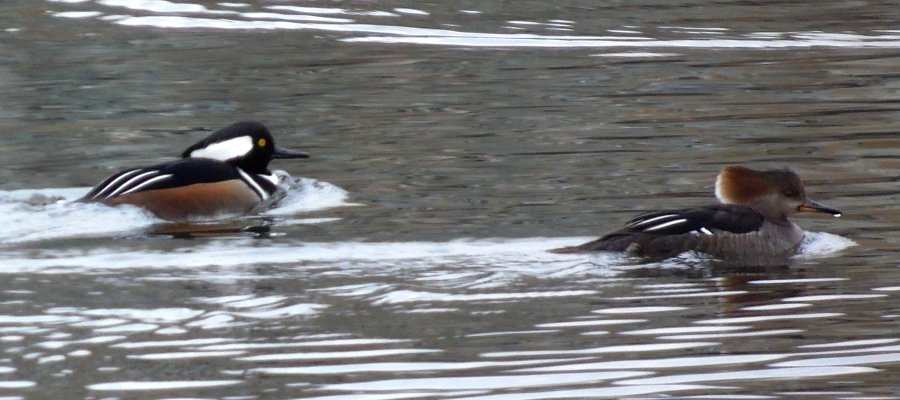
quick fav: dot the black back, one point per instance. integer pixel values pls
(669, 232)
(723, 217)
(174, 174)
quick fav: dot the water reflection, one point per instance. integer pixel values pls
(651, 340)
(491, 133)
(281, 17)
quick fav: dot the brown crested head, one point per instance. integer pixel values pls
(777, 193)
(741, 185)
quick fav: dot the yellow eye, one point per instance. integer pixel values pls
(261, 142)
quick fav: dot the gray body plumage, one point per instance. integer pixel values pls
(750, 223)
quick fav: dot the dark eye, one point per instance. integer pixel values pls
(790, 194)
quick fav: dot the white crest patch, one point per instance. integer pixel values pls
(227, 150)
(720, 194)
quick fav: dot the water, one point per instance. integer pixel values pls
(452, 145)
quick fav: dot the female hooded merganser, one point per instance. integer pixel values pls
(752, 221)
(225, 173)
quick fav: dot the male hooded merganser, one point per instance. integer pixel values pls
(752, 221)
(225, 173)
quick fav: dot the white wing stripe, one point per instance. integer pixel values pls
(113, 184)
(705, 231)
(145, 183)
(666, 224)
(263, 195)
(651, 220)
(132, 181)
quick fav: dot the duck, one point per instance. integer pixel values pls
(225, 173)
(751, 220)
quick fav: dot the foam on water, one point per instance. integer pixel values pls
(505, 253)
(306, 195)
(43, 214)
(503, 259)
(158, 385)
(822, 244)
(39, 214)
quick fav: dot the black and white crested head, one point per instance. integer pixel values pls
(247, 145)
(228, 143)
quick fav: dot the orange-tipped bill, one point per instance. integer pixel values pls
(811, 206)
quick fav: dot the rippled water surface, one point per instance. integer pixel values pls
(453, 143)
